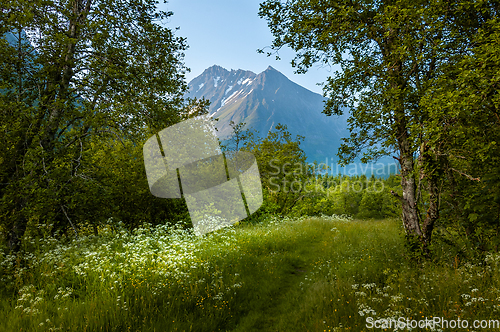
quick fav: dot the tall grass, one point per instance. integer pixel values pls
(305, 274)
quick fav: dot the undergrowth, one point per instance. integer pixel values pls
(302, 274)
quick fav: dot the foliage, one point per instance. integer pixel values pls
(354, 196)
(464, 105)
(404, 69)
(282, 166)
(74, 75)
(293, 187)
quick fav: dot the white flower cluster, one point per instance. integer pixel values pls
(29, 299)
(159, 259)
(337, 218)
(365, 310)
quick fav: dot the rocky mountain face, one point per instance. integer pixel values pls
(266, 99)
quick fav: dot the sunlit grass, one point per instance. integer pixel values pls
(306, 274)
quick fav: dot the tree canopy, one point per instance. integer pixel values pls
(394, 58)
(72, 74)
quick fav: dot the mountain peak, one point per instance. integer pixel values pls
(274, 78)
(264, 100)
(216, 69)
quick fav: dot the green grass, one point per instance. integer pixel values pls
(307, 274)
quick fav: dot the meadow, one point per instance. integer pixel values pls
(328, 273)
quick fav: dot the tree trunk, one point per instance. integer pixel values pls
(57, 90)
(18, 223)
(432, 172)
(398, 83)
(410, 213)
(16, 233)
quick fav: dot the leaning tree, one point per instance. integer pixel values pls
(390, 54)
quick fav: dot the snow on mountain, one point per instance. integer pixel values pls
(266, 99)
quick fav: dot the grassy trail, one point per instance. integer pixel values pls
(277, 308)
(316, 253)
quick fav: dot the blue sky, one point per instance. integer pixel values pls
(228, 33)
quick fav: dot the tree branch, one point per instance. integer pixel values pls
(71, 223)
(466, 175)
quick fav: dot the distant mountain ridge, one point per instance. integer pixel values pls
(266, 99)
